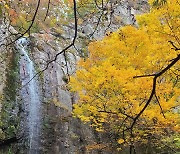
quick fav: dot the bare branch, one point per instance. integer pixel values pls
(143, 76)
(63, 50)
(153, 92)
(98, 22)
(101, 8)
(160, 106)
(30, 26)
(174, 47)
(47, 9)
(100, 17)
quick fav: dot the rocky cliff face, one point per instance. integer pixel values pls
(9, 83)
(61, 133)
(117, 13)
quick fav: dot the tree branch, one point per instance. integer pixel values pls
(30, 26)
(142, 76)
(160, 106)
(63, 50)
(47, 9)
(174, 47)
(153, 92)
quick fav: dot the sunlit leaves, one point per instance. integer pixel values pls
(110, 96)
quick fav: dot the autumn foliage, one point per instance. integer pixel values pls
(50, 14)
(115, 82)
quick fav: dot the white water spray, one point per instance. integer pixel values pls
(30, 95)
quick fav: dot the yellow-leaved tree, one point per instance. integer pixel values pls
(129, 84)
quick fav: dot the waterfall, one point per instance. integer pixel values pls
(31, 96)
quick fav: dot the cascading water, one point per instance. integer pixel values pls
(31, 97)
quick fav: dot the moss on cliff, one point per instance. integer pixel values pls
(9, 113)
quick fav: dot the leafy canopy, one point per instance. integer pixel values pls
(110, 96)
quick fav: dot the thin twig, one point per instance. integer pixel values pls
(30, 26)
(174, 47)
(142, 76)
(63, 50)
(160, 106)
(47, 11)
